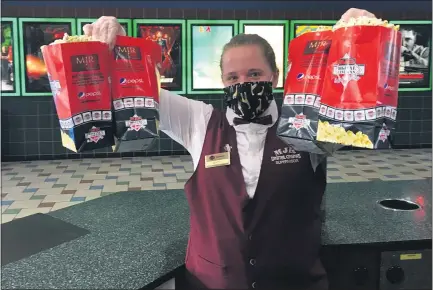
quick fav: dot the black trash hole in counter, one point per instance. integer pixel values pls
(399, 204)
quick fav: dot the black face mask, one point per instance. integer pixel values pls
(249, 100)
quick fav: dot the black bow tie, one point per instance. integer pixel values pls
(266, 120)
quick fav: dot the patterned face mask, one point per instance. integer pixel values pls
(249, 100)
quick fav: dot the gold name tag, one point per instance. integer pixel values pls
(215, 160)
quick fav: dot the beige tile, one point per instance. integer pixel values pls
(152, 174)
(115, 188)
(19, 196)
(105, 182)
(140, 183)
(25, 204)
(58, 197)
(69, 180)
(78, 186)
(129, 178)
(87, 192)
(41, 185)
(50, 191)
(16, 189)
(165, 179)
(176, 170)
(4, 207)
(60, 205)
(9, 183)
(7, 218)
(35, 179)
(175, 185)
(153, 187)
(30, 211)
(183, 175)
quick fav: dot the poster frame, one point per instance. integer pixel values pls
(195, 22)
(22, 21)
(184, 48)
(417, 22)
(16, 58)
(128, 23)
(285, 24)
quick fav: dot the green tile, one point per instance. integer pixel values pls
(77, 176)
(59, 185)
(12, 211)
(37, 197)
(135, 173)
(122, 183)
(17, 178)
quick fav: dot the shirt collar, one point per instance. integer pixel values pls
(272, 110)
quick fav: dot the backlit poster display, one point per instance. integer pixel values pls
(10, 84)
(126, 23)
(34, 33)
(298, 27)
(171, 36)
(206, 41)
(415, 60)
(276, 34)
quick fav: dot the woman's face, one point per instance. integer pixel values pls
(246, 63)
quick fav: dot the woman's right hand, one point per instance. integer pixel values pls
(105, 29)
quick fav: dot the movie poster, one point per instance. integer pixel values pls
(7, 58)
(81, 25)
(169, 37)
(274, 34)
(415, 60)
(207, 46)
(35, 35)
(303, 28)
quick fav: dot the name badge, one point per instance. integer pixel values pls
(218, 159)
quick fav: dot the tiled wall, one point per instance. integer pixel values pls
(30, 127)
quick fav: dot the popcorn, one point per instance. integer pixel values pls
(365, 21)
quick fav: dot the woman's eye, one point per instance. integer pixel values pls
(255, 75)
(231, 78)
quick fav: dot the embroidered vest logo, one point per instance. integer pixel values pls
(285, 155)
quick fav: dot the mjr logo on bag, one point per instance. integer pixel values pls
(127, 52)
(85, 62)
(94, 135)
(317, 46)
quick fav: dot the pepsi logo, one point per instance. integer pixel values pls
(124, 81)
(388, 87)
(92, 94)
(302, 76)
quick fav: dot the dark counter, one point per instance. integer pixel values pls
(138, 237)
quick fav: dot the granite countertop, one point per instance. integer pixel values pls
(353, 216)
(138, 237)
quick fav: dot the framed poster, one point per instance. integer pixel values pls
(126, 23)
(170, 34)
(276, 32)
(298, 27)
(415, 60)
(206, 39)
(34, 33)
(10, 78)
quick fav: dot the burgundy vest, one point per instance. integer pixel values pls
(270, 241)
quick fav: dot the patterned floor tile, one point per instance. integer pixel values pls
(43, 186)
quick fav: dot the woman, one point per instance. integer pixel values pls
(254, 201)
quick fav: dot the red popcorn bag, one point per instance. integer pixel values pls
(78, 71)
(360, 90)
(308, 56)
(136, 86)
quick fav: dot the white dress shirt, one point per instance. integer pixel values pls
(185, 121)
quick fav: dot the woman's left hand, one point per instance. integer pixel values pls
(355, 13)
